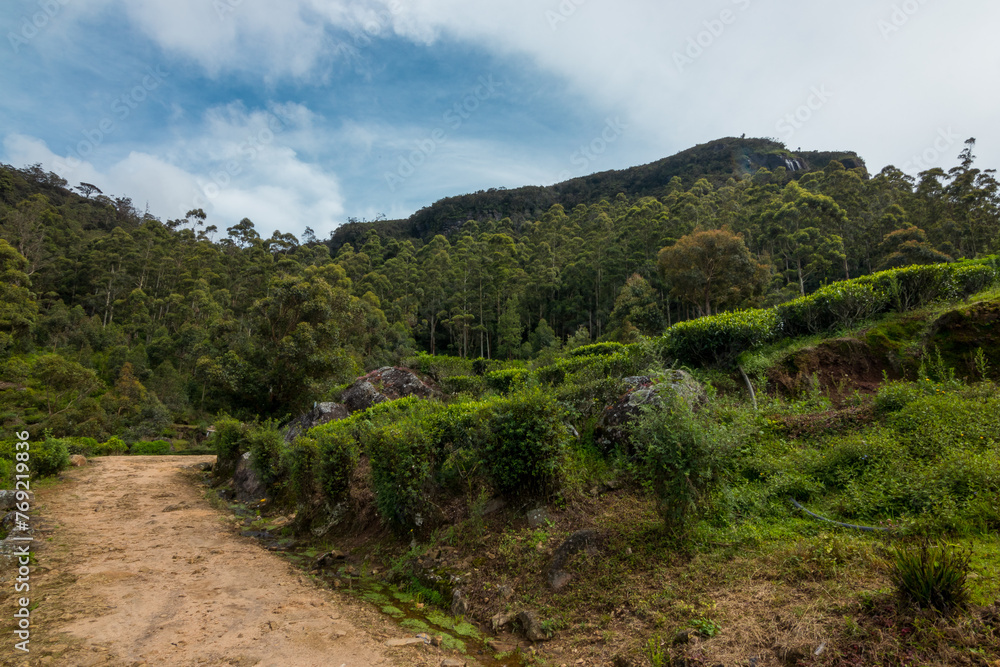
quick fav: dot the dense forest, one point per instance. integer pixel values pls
(115, 322)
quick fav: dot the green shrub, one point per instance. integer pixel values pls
(403, 464)
(82, 446)
(684, 460)
(330, 455)
(597, 349)
(525, 436)
(45, 457)
(114, 446)
(719, 339)
(228, 440)
(931, 576)
(505, 381)
(464, 384)
(157, 447)
(265, 443)
(302, 459)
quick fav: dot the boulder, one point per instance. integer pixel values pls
(532, 626)
(386, 384)
(611, 432)
(8, 499)
(321, 413)
(556, 574)
(247, 485)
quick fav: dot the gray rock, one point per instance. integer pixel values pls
(459, 603)
(8, 500)
(502, 620)
(538, 517)
(247, 485)
(386, 384)
(532, 626)
(556, 574)
(321, 413)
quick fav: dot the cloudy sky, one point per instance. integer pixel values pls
(306, 112)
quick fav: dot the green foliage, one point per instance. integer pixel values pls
(684, 458)
(331, 452)
(525, 438)
(597, 350)
(265, 443)
(719, 339)
(82, 446)
(156, 447)
(931, 576)
(505, 381)
(45, 458)
(300, 461)
(464, 384)
(228, 441)
(113, 446)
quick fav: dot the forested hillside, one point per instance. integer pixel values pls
(115, 322)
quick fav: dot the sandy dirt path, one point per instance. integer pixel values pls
(136, 568)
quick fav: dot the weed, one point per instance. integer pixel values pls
(656, 652)
(705, 626)
(932, 576)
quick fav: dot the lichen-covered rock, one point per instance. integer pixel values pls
(611, 430)
(386, 384)
(320, 414)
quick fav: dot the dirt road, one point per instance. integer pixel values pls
(136, 568)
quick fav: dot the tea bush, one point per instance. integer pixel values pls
(157, 447)
(524, 441)
(265, 442)
(114, 446)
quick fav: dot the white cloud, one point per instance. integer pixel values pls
(239, 164)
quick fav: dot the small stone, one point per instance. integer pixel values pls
(538, 517)
(453, 662)
(459, 603)
(407, 641)
(500, 620)
(532, 627)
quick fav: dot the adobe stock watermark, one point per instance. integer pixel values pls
(30, 26)
(699, 43)
(928, 159)
(121, 108)
(453, 119)
(587, 154)
(899, 17)
(566, 9)
(248, 151)
(791, 122)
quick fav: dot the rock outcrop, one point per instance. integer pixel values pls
(386, 384)
(320, 414)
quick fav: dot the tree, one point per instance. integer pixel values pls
(510, 330)
(802, 230)
(18, 309)
(904, 247)
(711, 270)
(637, 305)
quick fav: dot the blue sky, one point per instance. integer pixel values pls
(305, 112)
